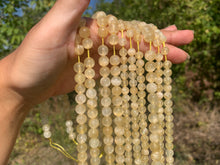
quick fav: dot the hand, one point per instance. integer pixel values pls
(42, 65)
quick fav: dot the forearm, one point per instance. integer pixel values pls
(13, 110)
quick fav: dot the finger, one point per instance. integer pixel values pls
(171, 28)
(176, 55)
(60, 21)
(179, 37)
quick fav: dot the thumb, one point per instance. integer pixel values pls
(60, 21)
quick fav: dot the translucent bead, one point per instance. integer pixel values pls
(94, 143)
(113, 28)
(102, 21)
(89, 62)
(122, 42)
(167, 72)
(94, 123)
(116, 90)
(98, 14)
(140, 78)
(151, 87)
(80, 108)
(130, 33)
(81, 128)
(139, 55)
(105, 91)
(87, 43)
(79, 78)
(95, 161)
(80, 98)
(78, 39)
(106, 121)
(91, 103)
(106, 101)
(116, 101)
(79, 50)
(115, 70)
(116, 81)
(150, 77)
(92, 113)
(167, 95)
(167, 80)
(81, 138)
(111, 18)
(109, 149)
(119, 149)
(159, 57)
(104, 71)
(124, 75)
(132, 67)
(91, 93)
(103, 61)
(81, 119)
(107, 131)
(164, 50)
(93, 133)
(120, 159)
(80, 88)
(123, 52)
(103, 50)
(150, 55)
(156, 43)
(78, 67)
(69, 123)
(81, 147)
(131, 51)
(123, 68)
(94, 152)
(113, 39)
(150, 66)
(106, 111)
(90, 83)
(47, 134)
(105, 81)
(72, 135)
(46, 127)
(89, 73)
(140, 63)
(167, 64)
(114, 60)
(82, 156)
(102, 32)
(84, 32)
(168, 103)
(149, 36)
(108, 140)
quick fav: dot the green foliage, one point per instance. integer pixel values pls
(200, 16)
(17, 18)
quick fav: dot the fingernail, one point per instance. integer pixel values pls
(188, 56)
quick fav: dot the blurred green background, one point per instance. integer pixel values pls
(196, 86)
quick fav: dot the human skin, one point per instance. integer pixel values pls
(41, 66)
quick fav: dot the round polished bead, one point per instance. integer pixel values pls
(84, 32)
(81, 128)
(89, 62)
(80, 88)
(104, 71)
(81, 119)
(93, 132)
(108, 140)
(46, 127)
(87, 43)
(79, 67)
(47, 134)
(150, 66)
(82, 156)
(91, 103)
(103, 61)
(91, 93)
(105, 81)
(167, 72)
(131, 51)
(151, 87)
(116, 81)
(122, 42)
(94, 123)
(79, 50)
(81, 138)
(80, 98)
(107, 121)
(94, 152)
(167, 64)
(150, 55)
(113, 28)
(106, 111)
(103, 50)
(123, 52)
(94, 143)
(81, 147)
(99, 14)
(113, 39)
(107, 131)
(92, 113)
(90, 83)
(89, 73)
(164, 50)
(114, 60)
(105, 91)
(80, 108)
(79, 78)
(106, 101)
(102, 21)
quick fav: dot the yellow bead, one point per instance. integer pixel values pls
(84, 32)
(79, 50)
(87, 43)
(113, 39)
(102, 21)
(103, 50)
(102, 32)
